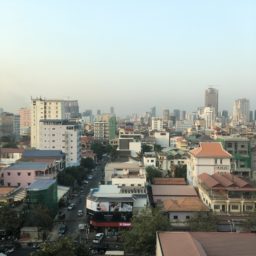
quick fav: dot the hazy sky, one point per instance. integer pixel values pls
(130, 54)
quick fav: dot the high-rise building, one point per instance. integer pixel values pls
(241, 111)
(112, 110)
(25, 121)
(51, 110)
(251, 116)
(183, 115)
(166, 115)
(153, 112)
(176, 113)
(212, 99)
(105, 127)
(156, 124)
(255, 115)
(209, 117)
(61, 135)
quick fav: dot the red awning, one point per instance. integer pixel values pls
(110, 224)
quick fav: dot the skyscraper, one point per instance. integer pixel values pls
(212, 99)
(166, 115)
(153, 112)
(176, 113)
(241, 111)
(112, 110)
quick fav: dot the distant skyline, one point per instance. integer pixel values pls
(131, 55)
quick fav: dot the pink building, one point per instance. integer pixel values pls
(22, 174)
(25, 121)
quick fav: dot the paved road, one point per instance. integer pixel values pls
(71, 219)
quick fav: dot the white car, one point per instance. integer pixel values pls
(98, 238)
(80, 213)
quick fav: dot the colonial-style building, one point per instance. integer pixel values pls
(210, 158)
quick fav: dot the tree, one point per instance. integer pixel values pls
(99, 149)
(145, 148)
(141, 238)
(62, 247)
(180, 171)
(157, 148)
(204, 223)
(87, 163)
(152, 173)
(9, 220)
(39, 217)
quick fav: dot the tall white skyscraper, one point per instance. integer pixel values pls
(241, 111)
(51, 110)
(212, 99)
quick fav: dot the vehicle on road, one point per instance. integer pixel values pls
(85, 181)
(80, 213)
(89, 177)
(71, 206)
(62, 229)
(98, 238)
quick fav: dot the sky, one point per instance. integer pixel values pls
(130, 54)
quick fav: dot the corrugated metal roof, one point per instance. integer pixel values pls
(27, 166)
(41, 184)
(173, 190)
(42, 153)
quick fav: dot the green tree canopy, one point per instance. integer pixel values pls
(87, 163)
(62, 247)
(9, 220)
(38, 216)
(152, 173)
(145, 148)
(141, 238)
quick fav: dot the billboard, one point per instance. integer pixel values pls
(109, 206)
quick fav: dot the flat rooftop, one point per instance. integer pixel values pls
(27, 166)
(41, 184)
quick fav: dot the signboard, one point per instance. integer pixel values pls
(109, 206)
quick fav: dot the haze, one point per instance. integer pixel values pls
(128, 54)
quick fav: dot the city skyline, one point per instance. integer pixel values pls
(131, 56)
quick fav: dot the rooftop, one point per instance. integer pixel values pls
(169, 181)
(6, 190)
(27, 166)
(210, 150)
(41, 184)
(187, 204)
(43, 153)
(207, 243)
(11, 150)
(173, 190)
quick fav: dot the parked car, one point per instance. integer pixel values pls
(98, 238)
(90, 177)
(71, 206)
(62, 229)
(85, 181)
(80, 213)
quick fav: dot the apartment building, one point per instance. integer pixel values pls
(61, 135)
(50, 109)
(25, 121)
(156, 124)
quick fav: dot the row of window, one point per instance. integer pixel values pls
(18, 184)
(18, 173)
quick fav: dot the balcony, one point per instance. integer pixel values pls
(219, 168)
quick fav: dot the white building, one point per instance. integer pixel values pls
(241, 112)
(209, 116)
(183, 125)
(162, 139)
(157, 124)
(210, 158)
(149, 159)
(61, 135)
(50, 109)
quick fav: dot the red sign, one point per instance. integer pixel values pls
(110, 224)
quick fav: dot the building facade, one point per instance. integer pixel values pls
(42, 109)
(241, 112)
(61, 135)
(212, 99)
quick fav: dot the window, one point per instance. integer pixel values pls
(152, 161)
(221, 161)
(175, 217)
(234, 207)
(29, 184)
(8, 184)
(8, 173)
(29, 173)
(18, 173)
(216, 207)
(18, 184)
(216, 161)
(187, 217)
(249, 207)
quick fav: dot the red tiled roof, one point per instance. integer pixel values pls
(226, 181)
(209, 150)
(187, 204)
(238, 181)
(169, 181)
(208, 180)
(223, 180)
